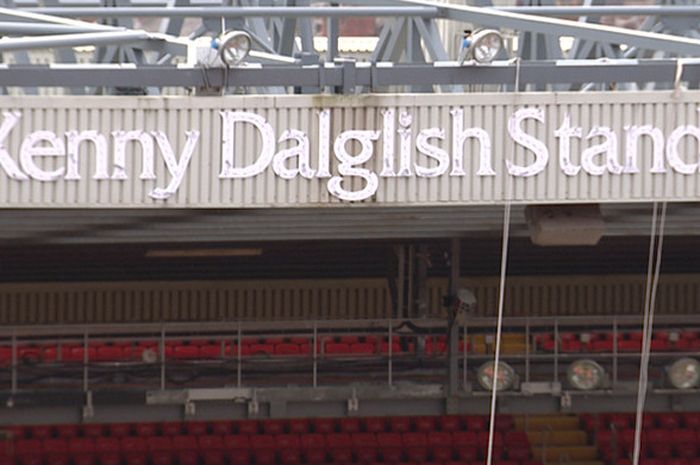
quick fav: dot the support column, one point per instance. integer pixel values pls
(452, 327)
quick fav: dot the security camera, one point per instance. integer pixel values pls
(465, 305)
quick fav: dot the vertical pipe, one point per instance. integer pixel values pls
(409, 291)
(465, 342)
(239, 357)
(390, 367)
(162, 358)
(452, 326)
(527, 350)
(614, 361)
(86, 360)
(333, 26)
(14, 362)
(401, 282)
(556, 349)
(315, 356)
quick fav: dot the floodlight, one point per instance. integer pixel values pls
(684, 373)
(149, 356)
(234, 47)
(506, 376)
(585, 375)
(485, 45)
(466, 300)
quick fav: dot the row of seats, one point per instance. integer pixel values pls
(285, 449)
(657, 443)
(212, 349)
(631, 341)
(351, 345)
(650, 421)
(473, 424)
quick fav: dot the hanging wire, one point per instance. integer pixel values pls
(652, 283)
(499, 327)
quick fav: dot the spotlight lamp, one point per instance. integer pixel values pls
(506, 376)
(585, 375)
(233, 47)
(481, 46)
(684, 373)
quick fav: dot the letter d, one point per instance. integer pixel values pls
(228, 170)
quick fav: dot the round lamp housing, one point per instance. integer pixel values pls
(506, 376)
(234, 47)
(684, 373)
(585, 375)
(486, 44)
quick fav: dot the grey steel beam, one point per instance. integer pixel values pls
(237, 12)
(546, 25)
(73, 40)
(376, 76)
(611, 10)
(10, 28)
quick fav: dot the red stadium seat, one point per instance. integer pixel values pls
(668, 420)
(657, 436)
(82, 450)
(29, 451)
(41, 432)
(248, 427)
(211, 351)
(186, 449)
(299, 426)
(289, 456)
(350, 425)
(475, 423)
(504, 423)
(362, 348)
(424, 424)
(336, 348)
(365, 447)
(56, 451)
(186, 352)
(146, 429)
(221, 427)
(516, 439)
(287, 441)
(399, 424)
(213, 457)
(324, 425)
(691, 420)
(119, 430)
(273, 426)
(416, 445)
(440, 445)
(67, 431)
(395, 348)
(262, 349)
(390, 447)
(237, 448)
(93, 431)
(210, 442)
(339, 446)
(449, 423)
(375, 425)
(171, 428)
(629, 346)
(135, 450)
(602, 345)
(313, 447)
(287, 349)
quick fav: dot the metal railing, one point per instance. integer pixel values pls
(402, 351)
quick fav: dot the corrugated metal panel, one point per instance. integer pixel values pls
(78, 303)
(201, 186)
(577, 295)
(287, 300)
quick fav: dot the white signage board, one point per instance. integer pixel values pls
(287, 151)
